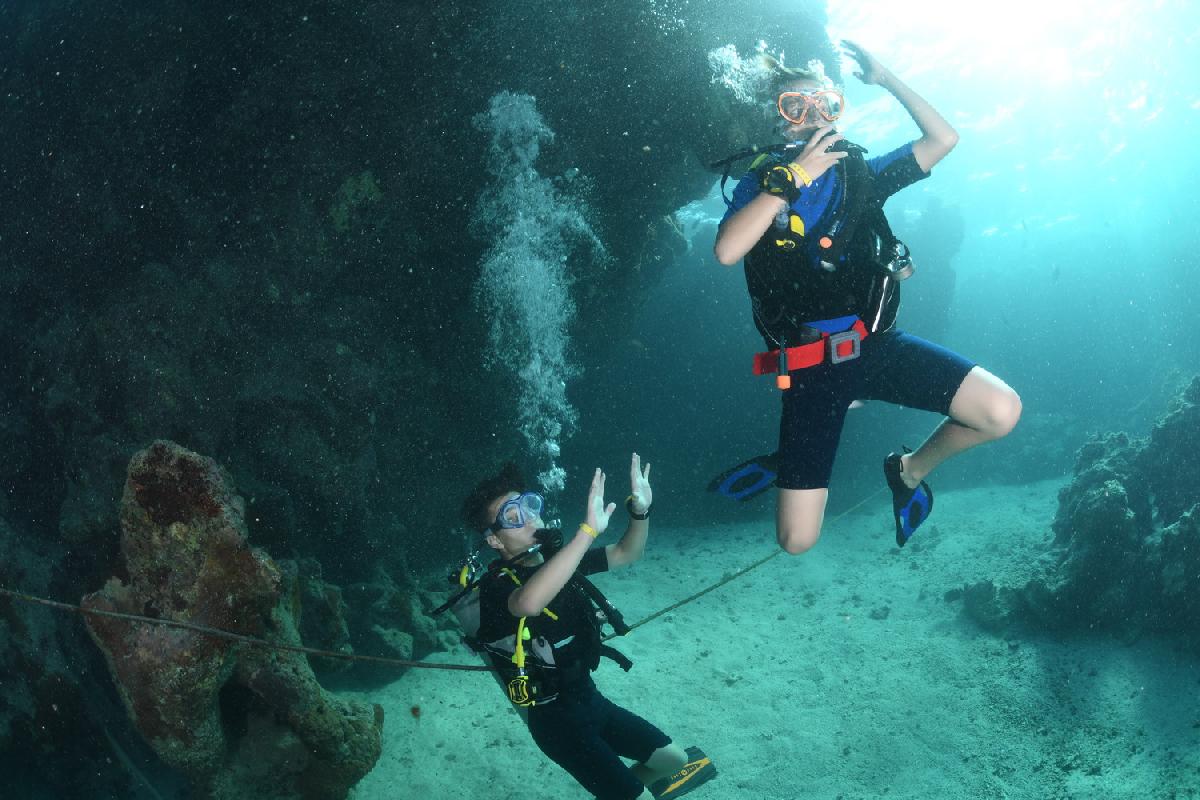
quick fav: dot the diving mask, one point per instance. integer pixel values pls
(514, 513)
(794, 106)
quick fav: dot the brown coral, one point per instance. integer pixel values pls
(188, 560)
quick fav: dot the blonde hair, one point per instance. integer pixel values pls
(781, 75)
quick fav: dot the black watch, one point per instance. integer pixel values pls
(781, 182)
(633, 514)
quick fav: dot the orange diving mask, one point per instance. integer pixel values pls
(794, 106)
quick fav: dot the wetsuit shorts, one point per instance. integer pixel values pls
(587, 735)
(895, 367)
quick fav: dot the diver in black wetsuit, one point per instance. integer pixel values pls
(538, 623)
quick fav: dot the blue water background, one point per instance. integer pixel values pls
(1074, 186)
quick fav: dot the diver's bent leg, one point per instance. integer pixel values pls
(799, 514)
(984, 409)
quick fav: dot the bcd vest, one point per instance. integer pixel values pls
(836, 268)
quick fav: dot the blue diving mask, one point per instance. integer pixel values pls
(516, 512)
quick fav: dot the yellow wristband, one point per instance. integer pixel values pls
(588, 529)
(800, 173)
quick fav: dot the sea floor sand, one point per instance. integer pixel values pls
(847, 672)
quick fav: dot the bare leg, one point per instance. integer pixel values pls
(984, 408)
(662, 762)
(799, 514)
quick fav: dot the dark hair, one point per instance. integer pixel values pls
(475, 507)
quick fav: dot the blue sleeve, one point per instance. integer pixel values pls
(895, 170)
(810, 205)
(745, 191)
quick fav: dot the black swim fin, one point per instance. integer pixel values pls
(748, 479)
(698, 769)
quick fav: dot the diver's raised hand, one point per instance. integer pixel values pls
(639, 486)
(816, 158)
(598, 513)
(869, 68)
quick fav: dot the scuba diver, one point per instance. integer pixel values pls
(539, 622)
(823, 271)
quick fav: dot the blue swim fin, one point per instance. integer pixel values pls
(748, 479)
(910, 507)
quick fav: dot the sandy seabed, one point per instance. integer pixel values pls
(847, 672)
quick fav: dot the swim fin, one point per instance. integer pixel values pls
(699, 769)
(748, 479)
(910, 507)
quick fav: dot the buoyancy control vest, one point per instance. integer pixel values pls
(527, 663)
(847, 263)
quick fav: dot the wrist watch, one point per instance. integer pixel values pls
(632, 513)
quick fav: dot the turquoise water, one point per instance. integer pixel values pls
(1073, 179)
(359, 254)
(1056, 238)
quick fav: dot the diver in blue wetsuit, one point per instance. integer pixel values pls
(823, 269)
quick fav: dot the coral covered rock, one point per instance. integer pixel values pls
(319, 611)
(1175, 567)
(1169, 460)
(1102, 463)
(1126, 549)
(392, 617)
(239, 720)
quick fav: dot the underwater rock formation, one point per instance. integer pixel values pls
(275, 261)
(319, 612)
(275, 288)
(392, 618)
(37, 675)
(1126, 550)
(1169, 461)
(239, 721)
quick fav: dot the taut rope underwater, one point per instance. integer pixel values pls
(397, 662)
(236, 637)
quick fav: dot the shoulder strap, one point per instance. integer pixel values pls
(857, 194)
(601, 602)
(861, 206)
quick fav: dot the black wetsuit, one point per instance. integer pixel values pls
(577, 727)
